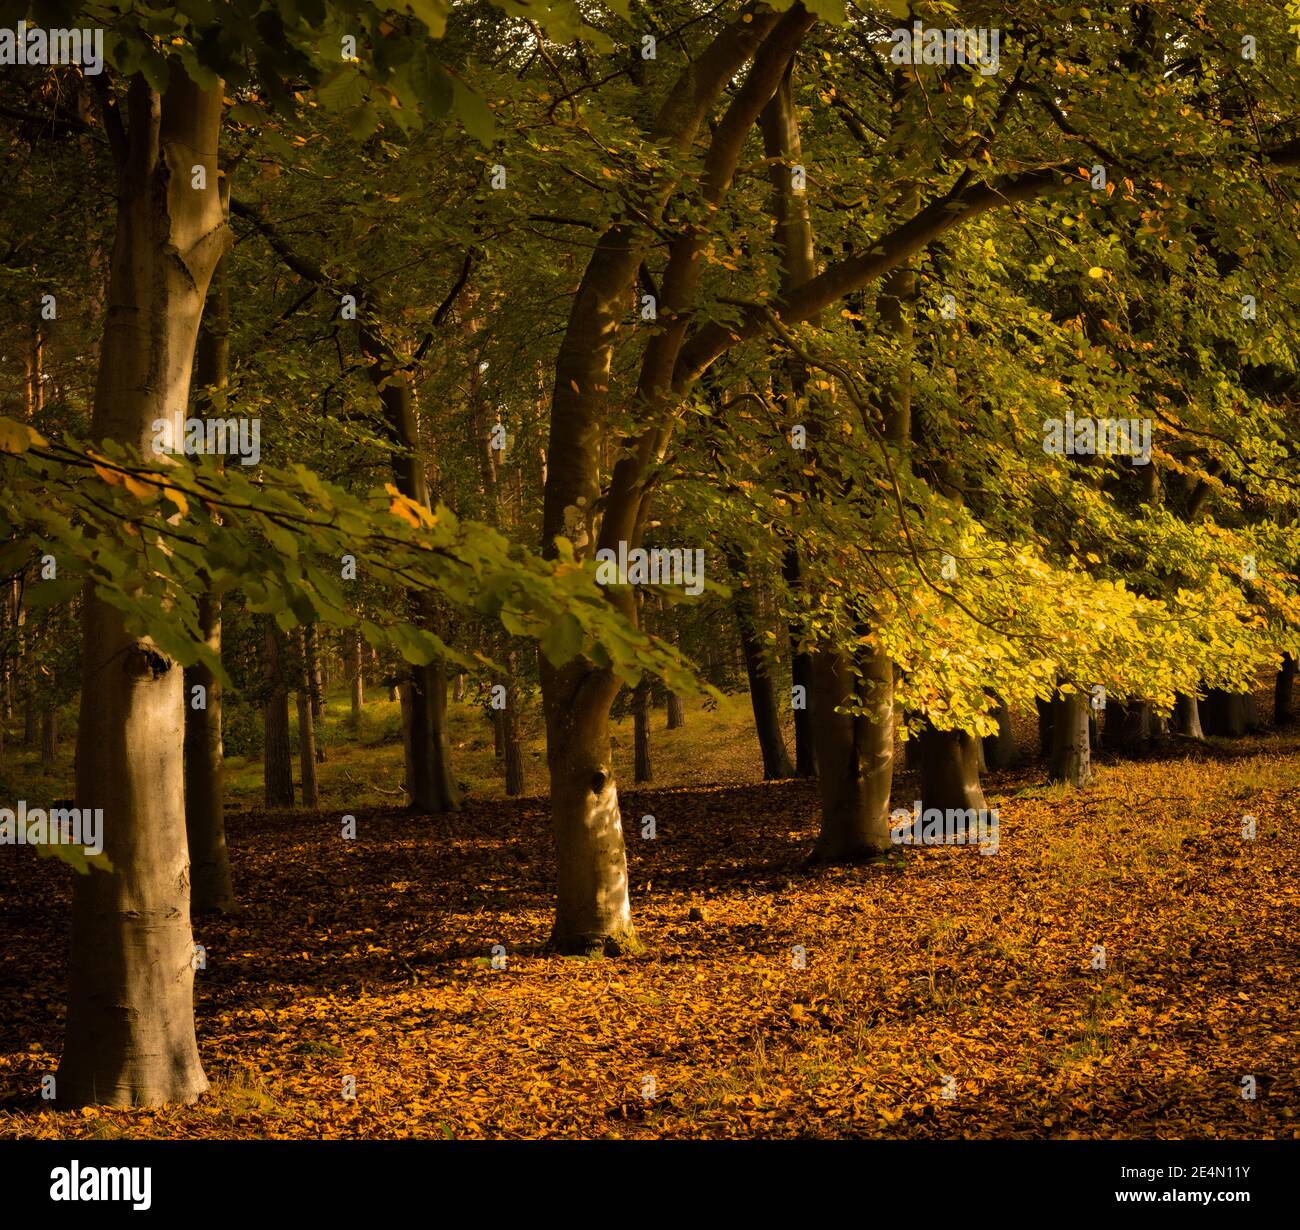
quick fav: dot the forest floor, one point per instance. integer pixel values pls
(944, 993)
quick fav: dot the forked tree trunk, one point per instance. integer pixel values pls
(277, 759)
(592, 909)
(642, 769)
(855, 755)
(950, 778)
(1284, 692)
(1000, 748)
(1071, 749)
(211, 890)
(130, 1021)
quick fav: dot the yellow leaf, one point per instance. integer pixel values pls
(16, 437)
(141, 491)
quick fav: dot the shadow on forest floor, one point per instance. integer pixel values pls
(942, 993)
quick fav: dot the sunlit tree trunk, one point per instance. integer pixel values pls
(1071, 749)
(130, 1021)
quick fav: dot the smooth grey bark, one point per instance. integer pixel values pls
(950, 777)
(1071, 747)
(130, 1020)
(855, 755)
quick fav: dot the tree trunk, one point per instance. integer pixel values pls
(950, 777)
(205, 824)
(277, 760)
(211, 890)
(855, 755)
(430, 786)
(1071, 749)
(767, 718)
(1046, 724)
(593, 912)
(1224, 714)
(1187, 716)
(676, 712)
(356, 676)
(130, 1019)
(1284, 692)
(512, 744)
(1128, 726)
(49, 738)
(1000, 749)
(315, 686)
(592, 908)
(642, 770)
(306, 727)
(805, 748)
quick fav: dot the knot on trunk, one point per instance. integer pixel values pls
(142, 662)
